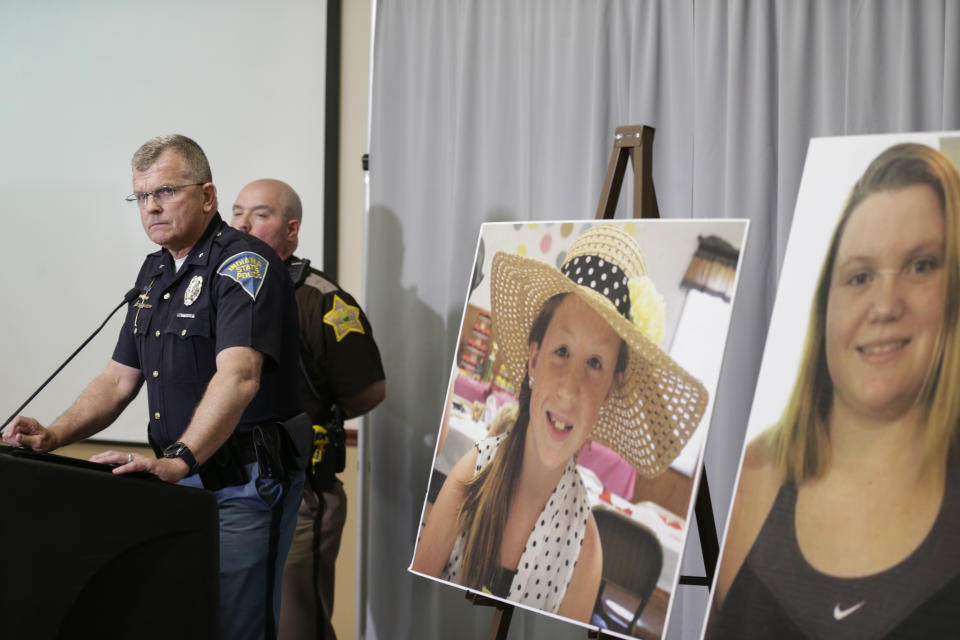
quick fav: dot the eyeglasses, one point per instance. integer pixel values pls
(160, 194)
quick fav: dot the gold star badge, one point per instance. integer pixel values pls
(343, 317)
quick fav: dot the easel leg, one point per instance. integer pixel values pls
(633, 144)
(707, 528)
(500, 624)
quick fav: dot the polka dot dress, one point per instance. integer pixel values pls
(553, 546)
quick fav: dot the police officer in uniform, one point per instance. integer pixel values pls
(213, 335)
(340, 371)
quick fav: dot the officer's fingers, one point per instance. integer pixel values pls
(11, 437)
(130, 462)
(20, 425)
(109, 457)
(38, 442)
(163, 468)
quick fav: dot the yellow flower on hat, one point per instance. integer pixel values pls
(647, 309)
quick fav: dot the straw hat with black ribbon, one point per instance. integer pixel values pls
(656, 405)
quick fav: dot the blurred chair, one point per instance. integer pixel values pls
(632, 560)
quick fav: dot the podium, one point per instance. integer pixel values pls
(85, 553)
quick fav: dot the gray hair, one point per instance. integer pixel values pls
(190, 151)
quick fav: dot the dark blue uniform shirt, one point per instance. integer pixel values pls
(232, 290)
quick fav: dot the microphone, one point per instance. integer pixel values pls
(128, 297)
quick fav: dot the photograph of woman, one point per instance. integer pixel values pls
(847, 512)
(581, 346)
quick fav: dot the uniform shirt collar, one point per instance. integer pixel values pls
(199, 254)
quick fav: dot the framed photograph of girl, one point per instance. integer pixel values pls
(578, 402)
(847, 509)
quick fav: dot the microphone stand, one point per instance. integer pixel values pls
(127, 298)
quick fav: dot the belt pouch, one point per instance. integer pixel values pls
(224, 468)
(268, 445)
(299, 441)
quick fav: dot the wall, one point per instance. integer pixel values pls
(84, 85)
(354, 91)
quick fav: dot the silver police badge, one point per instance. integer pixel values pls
(193, 290)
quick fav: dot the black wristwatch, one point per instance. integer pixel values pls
(182, 451)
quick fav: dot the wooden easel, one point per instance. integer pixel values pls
(635, 143)
(632, 144)
(500, 624)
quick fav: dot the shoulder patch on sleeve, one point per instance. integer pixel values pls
(248, 269)
(343, 317)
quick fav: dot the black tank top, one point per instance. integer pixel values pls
(777, 594)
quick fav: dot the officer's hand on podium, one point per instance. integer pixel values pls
(30, 434)
(167, 469)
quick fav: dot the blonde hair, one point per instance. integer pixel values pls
(801, 439)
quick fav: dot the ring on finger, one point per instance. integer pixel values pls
(129, 457)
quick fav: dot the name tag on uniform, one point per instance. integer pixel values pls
(248, 269)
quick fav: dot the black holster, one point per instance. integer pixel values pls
(227, 466)
(283, 448)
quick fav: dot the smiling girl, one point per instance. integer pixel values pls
(582, 344)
